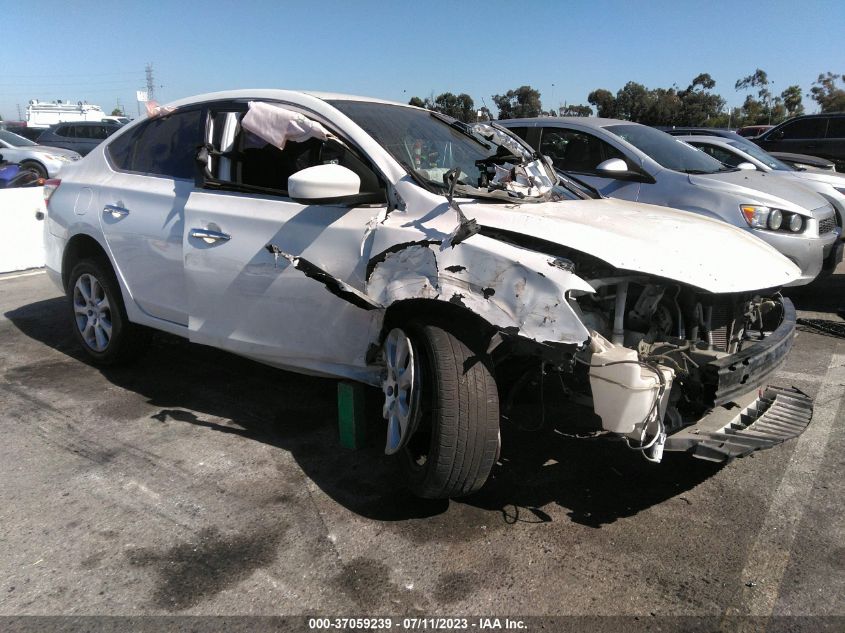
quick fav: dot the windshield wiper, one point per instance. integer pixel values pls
(577, 182)
(461, 127)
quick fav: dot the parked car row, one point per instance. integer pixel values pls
(743, 154)
(639, 163)
(78, 136)
(459, 268)
(44, 160)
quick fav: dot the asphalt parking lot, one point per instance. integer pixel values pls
(196, 482)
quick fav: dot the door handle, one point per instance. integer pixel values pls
(209, 236)
(115, 211)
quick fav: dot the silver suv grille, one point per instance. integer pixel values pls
(827, 225)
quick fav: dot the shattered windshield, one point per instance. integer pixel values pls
(430, 145)
(667, 151)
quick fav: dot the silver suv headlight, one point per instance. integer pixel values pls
(760, 217)
(59, 157)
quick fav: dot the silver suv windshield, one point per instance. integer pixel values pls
(429, 145)
(666, 150)
(760, 154)
(14, 139)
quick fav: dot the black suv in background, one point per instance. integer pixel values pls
(80, 136)
(816, 134)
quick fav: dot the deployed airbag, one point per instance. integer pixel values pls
(278, 125)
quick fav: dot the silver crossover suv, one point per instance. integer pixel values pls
(635, 162)
(43, 159)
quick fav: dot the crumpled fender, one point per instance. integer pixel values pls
(520, 291)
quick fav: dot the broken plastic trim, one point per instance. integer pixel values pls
(334, 285)
(466, 228)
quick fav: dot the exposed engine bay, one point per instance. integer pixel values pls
(662, 355)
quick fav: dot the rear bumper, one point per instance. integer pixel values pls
(764, 420)
(728, 378)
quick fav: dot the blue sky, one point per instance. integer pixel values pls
(97, 51)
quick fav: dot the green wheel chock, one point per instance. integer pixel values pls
(350, 414)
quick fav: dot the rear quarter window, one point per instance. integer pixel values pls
(836, 127)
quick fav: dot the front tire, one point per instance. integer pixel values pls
(456, 439)
(98, 315)
(38, 168)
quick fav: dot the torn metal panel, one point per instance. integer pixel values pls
(407, 273)
(333, 284)
(496, 281)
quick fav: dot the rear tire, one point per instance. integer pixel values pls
(456, 442)
(98, 316)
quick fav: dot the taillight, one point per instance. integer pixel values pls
(50, 187)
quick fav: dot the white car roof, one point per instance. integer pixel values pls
(273, 93)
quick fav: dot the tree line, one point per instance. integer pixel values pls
(695, 105)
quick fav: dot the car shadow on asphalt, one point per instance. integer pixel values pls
(596, 481)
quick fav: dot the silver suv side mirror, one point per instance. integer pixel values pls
(612, 166)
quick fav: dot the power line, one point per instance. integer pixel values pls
(73, 83)
(88, 74)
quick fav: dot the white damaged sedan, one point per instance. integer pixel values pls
(444, 263)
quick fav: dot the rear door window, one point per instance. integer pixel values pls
(98, 132)
(804, 129)
(163, 146)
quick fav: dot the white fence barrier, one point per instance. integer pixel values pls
(21, 241)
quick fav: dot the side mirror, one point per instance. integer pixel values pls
(612, 167)
(324, 184)
(746, 166)
(617, 169)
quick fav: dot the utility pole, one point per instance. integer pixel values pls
(150, 83)
(20, 118)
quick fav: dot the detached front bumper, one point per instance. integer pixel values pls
(747, 414)
(772, 416)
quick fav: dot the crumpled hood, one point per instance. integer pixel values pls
(762, 188)
(678, 245)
